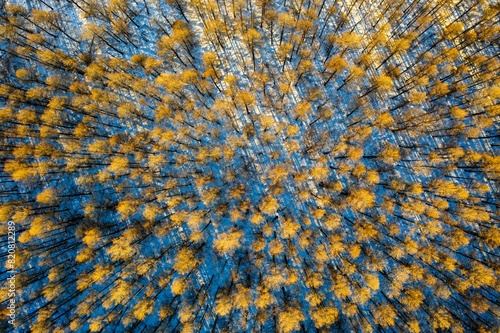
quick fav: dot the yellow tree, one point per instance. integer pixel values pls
(361, 199)
(333, 65)
(289, 320)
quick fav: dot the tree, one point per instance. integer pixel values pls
(143, 309)
(449, 189)
(383, 83)
(385, 315)
(390, 154)
(269, 206)
(334, 65)
(325, 316)
(289, 320)
(360, 199)
(227, 243)
(184, 262)
(47, 196)
(252, 37)
(302, 109)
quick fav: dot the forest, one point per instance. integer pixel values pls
(250, 166)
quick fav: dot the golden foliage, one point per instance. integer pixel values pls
(324, 316)
(228, 242)
(413, 298)
(361, 199)
(441, 320)
(100, 273)
(185, 261)
(320, 172)
(126, 208)
(121, 249)
(290, 319)
(84, 255)
(384, 315)
(448, 189)
(269, 206)
(118, 295)
(264, 299)
(289, 228)
(143, 308)
(390, 154)
(480, 275)
(242, 297)
(336, 63)
(383, 83)
(178, 286)
(223, 306)
(91, 237)
(372, 281)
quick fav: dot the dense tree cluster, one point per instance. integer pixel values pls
(252, 165)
